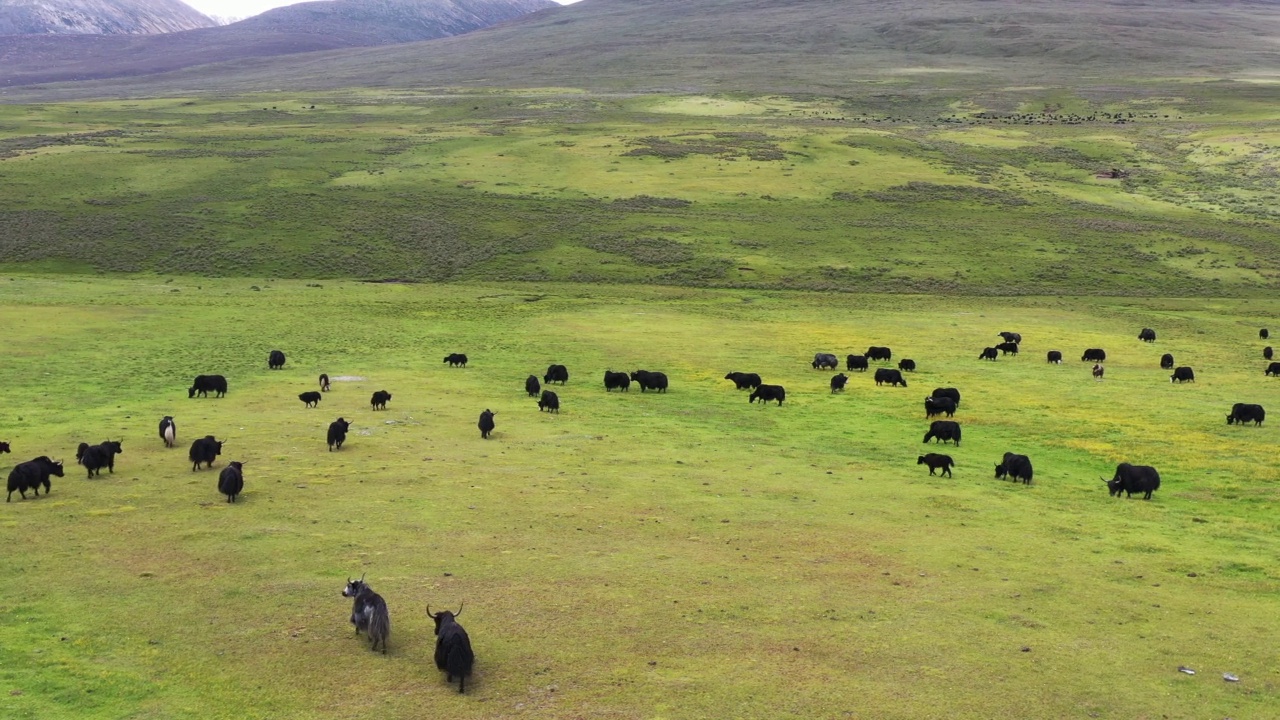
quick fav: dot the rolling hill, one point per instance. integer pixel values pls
(301, 28)
(98, 17)
(828, 46)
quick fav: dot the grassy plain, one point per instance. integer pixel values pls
(637, 556)
(881, 192)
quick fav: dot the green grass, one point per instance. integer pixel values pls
(682, 555)
(770, 192)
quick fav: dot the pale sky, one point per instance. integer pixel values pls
(248, 8)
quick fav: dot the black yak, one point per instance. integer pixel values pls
(744, 381)
(879, 353)
(935, 461)
(486, 424)
(1166, 361)
(1242, 413)
(531, 386)
(456, 359)
(549, 402)
(1147, 335)
(765, 393)
(275, 360)
(856, 362)
(556, 373)
(311, 398)
(616, 381)
(942, 431)
(838, 382)
(1017, 467)
(338, 433)
(907, 365)
(1130, 479)
(203, 451)
(1183, 374)
(31, 475)
(1094, 355)
(205, 384)
(938, 406)
(888, 375)
(988, 353)
(453, 647)
(650, 380)
(1055, 357)
(380, 399)
(952, 393)
(96, 457)
(231, 480)
(1007, 348)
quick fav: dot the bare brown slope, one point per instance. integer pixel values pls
(302, 28)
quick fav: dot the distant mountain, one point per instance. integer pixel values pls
(98, 17)
(302, 28)
(825, 46)
(386, 22)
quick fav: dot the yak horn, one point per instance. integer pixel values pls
(429, 613)
(459, 613)
(361, 577)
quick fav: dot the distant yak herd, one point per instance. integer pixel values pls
(453, 653)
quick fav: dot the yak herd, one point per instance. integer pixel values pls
(453, 653)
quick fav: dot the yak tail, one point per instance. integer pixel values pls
(379, 626)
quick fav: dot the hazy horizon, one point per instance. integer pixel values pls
(240, 9)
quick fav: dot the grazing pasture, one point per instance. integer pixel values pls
(678, 554)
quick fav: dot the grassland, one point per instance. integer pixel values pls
(679, 556)
(882, 192)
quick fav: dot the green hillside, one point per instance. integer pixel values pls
(872, 193)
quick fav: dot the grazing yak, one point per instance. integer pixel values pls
(936, 461)
(338, 433)
(231, 480)
(486, 423)
(204, 451)
(907, 365)
(31, 474)
(1130, 479)
(453, 647)
(1016, 467)
(942, 431)
(1183, 374)
(1147, 335)
(275, 360)
(765, 393)
(531, 386)
(744, 381)
(1011, 337)
(1274, 369)
(4, 447)
(825, 361)
(456, 359)
(1263, 334)
(1007, 348)
(838, 382)
(650, 380)
(311, 398)
(96, 457)
(1166, 361)
(169, 431)
(887, 375)
(952, 393)
(1242, 413)
(989, 353)
(549, 402)
(1094, 355)
(938, 405)
(368, 613)
(879, 353)
(324, 382)
(1266, 353)
(205, 384)
(556, 373)
(380, 399)
(856, 362)
(616, 381)
(1055, 357)
(1098, 371)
